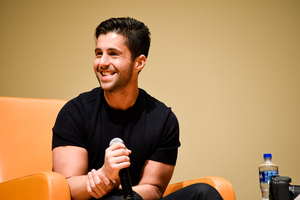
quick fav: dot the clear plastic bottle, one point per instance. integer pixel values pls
(266, 170)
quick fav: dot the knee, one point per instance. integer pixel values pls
(204, 191)
(202, 187)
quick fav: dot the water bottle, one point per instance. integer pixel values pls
(266, 170)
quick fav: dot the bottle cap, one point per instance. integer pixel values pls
(267, 155)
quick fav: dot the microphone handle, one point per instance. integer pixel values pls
(126, 184)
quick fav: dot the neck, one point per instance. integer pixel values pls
(121, 100)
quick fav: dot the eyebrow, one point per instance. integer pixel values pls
(109, 49)
(97, 49)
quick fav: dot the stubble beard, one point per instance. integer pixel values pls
(119, 83)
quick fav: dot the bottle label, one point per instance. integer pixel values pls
(265, 176)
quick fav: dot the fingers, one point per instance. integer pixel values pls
(116, 158)
(118, 149)
(118, 162)
(98, 185)
(94, 186)
(117, 153)
(101, 182)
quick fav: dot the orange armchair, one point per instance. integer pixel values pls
(26, 157)
(25, 150)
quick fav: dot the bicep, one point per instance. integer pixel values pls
(157, 174)
(70, 161)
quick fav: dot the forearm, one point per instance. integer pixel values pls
(78, 188)
(95, 184)
(148, 192)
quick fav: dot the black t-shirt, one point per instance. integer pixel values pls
(149, 129)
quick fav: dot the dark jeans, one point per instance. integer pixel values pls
(199, 191)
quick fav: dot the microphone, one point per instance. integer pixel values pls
(124, 176)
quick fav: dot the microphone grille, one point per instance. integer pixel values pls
(115, 140)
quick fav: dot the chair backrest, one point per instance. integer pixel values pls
(26, 135)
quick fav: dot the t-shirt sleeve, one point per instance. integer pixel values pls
(69, 126)
(168, 146)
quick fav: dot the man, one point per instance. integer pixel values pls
(86, 124)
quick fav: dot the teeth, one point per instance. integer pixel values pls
(106, 73)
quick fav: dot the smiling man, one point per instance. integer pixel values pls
(118, 108)
(117, 71)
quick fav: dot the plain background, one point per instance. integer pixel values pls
(230, 70)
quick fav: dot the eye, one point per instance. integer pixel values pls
(113, 53)
(98, 53)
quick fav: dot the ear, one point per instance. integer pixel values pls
(140, 62)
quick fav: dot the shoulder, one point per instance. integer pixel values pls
(75, 116)
(81, 106)
(152, 102)
(156, 107)
(86, 99)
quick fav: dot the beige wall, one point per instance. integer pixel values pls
(229, 69)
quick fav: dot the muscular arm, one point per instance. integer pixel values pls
(72, 163)
(155, 179)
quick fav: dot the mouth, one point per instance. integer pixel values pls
(107, 75)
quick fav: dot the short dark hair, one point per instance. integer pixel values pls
(136, 33)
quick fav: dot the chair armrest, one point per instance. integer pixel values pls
(39, 186)
(223, 186)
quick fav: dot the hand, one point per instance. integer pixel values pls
(116, 158)
(98, 185)
(105, 179)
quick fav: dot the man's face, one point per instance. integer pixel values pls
(113, 65)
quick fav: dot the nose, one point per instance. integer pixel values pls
(104, 61)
